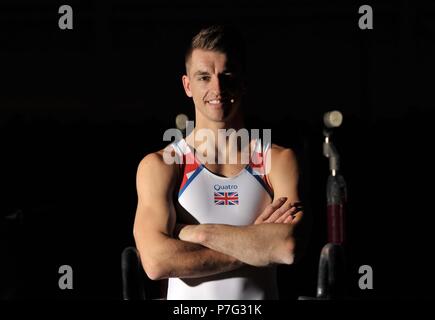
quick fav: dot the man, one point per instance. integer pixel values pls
(217, 230)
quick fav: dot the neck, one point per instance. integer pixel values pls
(219, 144)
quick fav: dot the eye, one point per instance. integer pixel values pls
(229, 76)
(204, 78)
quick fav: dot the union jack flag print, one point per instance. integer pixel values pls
(226, 198)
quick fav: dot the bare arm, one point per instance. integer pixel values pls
(163, 256)
(264, 243)
(258, 245)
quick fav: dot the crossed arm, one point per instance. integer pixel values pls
(208, 249)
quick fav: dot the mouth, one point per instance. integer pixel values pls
(215, 101)
(218, 103)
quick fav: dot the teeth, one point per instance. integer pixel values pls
(214, 101)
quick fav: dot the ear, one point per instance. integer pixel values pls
(186, 85)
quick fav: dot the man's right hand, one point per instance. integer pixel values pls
(279, 211)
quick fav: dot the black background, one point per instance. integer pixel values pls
(80, 108)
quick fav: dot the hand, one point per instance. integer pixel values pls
(186, 232)
(177, 229)
(279, 212)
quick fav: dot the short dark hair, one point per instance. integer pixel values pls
(221, 38)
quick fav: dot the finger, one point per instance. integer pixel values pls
(296, 211)
(296, 215)
(177, 229)
(283, 217)
(279, 212)
(271, 208)
(288, 219)
(290, 212)
(297, 204)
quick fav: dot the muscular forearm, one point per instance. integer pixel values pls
(257, 245)
(181, 259)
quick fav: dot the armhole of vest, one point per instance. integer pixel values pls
(180, 176)
(180, 164)
(268, 186)
(182, 151)
(264, 177)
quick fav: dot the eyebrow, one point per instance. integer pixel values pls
(201, 73)
(206, 73)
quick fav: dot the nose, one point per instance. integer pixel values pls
(216, 85)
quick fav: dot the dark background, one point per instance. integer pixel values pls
(80, 108)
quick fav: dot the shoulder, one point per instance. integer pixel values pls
(282, 161)
(280, 154)
(155, 165)
(283, 171)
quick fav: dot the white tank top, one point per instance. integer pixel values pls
(204, 197)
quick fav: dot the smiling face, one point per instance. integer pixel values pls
(214, 83)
